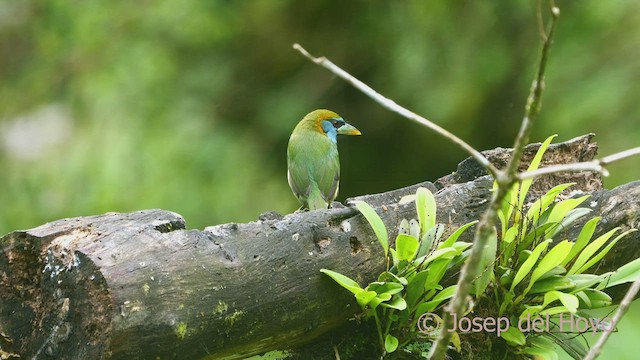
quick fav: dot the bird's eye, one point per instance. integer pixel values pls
(337, 123)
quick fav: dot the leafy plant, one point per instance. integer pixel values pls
(415, 264)
(530, 278)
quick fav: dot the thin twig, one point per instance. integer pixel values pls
(392, 106)
(504, 179)
(622, 309)
(597, 165)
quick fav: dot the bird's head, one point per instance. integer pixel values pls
(329, 123)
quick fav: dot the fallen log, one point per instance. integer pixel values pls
(140, 285)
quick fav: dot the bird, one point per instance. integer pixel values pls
(313, 165)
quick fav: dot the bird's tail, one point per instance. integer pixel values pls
(316, 200)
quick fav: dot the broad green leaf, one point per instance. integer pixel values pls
(511, 234)
(553, 258)
(530, 311)
(385, 287)
(446, 253)
(364, 297)
(379, 299)
(554, 310)
(566, 222)
(513, 336)
(387, 276)
(597, 298)
(440, 297)
(556, 270)
(508, 205)
(589, 250)
(390, 343)
(604, 252)
(626, 273)
(539, 206)
(344, 281)
(426, 209)
(535, 163)
(584, 281)
(487, 262)
(406, 247)
(415, 288)
(583, 239)
(376, 224)
(397, 302)
(556, 282)
(456, 234)
(569, 301)
(528, 264)
(437, 269)
(561, 209)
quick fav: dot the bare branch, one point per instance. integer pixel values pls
(505, 178)
(392, 106)
(622, 309)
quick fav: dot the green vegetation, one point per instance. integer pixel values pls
(188, 106)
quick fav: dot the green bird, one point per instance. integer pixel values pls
(312, 158)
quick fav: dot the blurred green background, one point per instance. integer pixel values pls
(188, 105)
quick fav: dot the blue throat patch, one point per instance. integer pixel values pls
(330, 130)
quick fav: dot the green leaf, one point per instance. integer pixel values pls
(528, 264)
(487, 262)
(556, 282)
(589, 250)
(553, 258)
(344, 281)
(583, 239)
(406, 247)
(440, 297)
(387, 276)
(456, 234)
(376, 224)
(569, 301)
(426, 209)
(597, 298)
(561, 209)
(604, 252)
(566, 222)
(432, 236)
(540, 206)
(535, 163)
(390, 343)
(364, 297)
(437, 270)
(397, 303)
(415, 288)
(385, 287)
(513, 336)
(584, 281)
(626, 273)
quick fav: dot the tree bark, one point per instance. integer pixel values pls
(140, 285)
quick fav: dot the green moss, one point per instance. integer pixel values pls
(181, 330)
(231, 319)
(221, 308)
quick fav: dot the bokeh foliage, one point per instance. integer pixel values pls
(187, 106)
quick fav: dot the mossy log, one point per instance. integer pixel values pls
(140, 285)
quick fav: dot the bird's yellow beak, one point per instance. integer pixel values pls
(347, 129)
